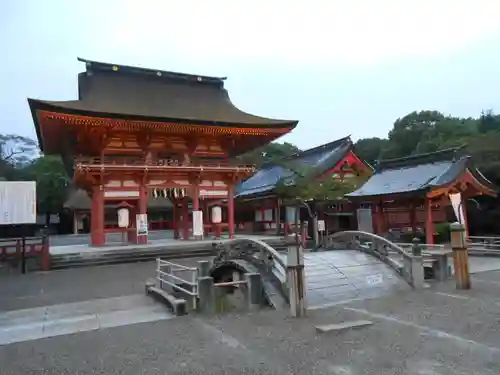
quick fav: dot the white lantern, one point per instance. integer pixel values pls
(123, 219)
(216, 215)
(155, 193)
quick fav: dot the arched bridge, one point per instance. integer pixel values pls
(353, 265)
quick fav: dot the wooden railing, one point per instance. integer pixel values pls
(135, 162)
(20, 249)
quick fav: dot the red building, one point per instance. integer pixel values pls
(415, 191)
(133, 130)
(260, 209)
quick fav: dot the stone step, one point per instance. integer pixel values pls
(106, 257)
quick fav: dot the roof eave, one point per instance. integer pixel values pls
(33, 109)
(54, 107)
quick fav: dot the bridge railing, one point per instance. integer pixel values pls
(487, 245)
(178, 278)
(411, 268)
(255, 251)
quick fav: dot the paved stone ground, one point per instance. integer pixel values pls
(437, 331)
(76, 284)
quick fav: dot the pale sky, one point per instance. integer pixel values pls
(339, 67)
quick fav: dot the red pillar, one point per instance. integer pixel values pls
(413, 217)
(185, 219)
(143, 209)
(175, 218)
(375, 218)
(429, 223)
(230, 210)
(132, 230)
(97, 236)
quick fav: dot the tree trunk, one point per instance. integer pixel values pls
(47, 219)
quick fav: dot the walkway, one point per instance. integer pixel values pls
(340, 275)
(438, 331)
(62, 319)
(78, 244)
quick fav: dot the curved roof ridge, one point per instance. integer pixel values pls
(423, 158)
(138, 70)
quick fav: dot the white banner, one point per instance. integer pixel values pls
(142, 224)
(17, 202)
(198, 223)
(456, 203)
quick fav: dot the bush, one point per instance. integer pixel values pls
(442, 232)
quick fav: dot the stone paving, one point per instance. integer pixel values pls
(340, 275)
(66, 318)
(439, 331)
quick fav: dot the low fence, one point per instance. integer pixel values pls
(25, 249)
(195, 285)
(178, 278)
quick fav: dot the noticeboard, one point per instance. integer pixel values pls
(17, 202)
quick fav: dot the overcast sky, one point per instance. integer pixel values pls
(340, 67)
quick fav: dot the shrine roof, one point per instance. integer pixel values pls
(125, 92)
(80, 200)
(321, 159)
(418, 173)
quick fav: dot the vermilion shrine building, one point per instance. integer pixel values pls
(261, 210)
(133, 130)
(416, 190)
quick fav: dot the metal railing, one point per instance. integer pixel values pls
(170, 274)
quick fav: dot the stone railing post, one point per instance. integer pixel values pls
(417, 265)
(296, 280)
(254, 291)
(203, 268)
(460, 256)
(206, 295)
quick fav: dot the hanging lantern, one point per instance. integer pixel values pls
(155, 193)
(175, 193)
(165, 193)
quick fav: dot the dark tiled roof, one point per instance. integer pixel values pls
(124, 91)
(80, 200)
(321, 159)
(417, 173)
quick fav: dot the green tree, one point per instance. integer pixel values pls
(370, 149)
(488, 122)
(15, 153)
(52, 183)
(268, 153)
(303, 186)
(408, 131)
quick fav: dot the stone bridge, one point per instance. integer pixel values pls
(353, 265)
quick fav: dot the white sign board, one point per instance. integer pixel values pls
(321, 226)
(198, 223)
(17, 202)
(216, 215)
(142, 224)
(123, 219)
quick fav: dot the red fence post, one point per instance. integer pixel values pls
(45, 253)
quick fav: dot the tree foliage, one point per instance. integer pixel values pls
(268, 153)
(303, 184)
(52, 183)
(20, 160)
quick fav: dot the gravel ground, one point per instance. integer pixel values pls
(76, 284)
(438, 331)
(415, 333)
